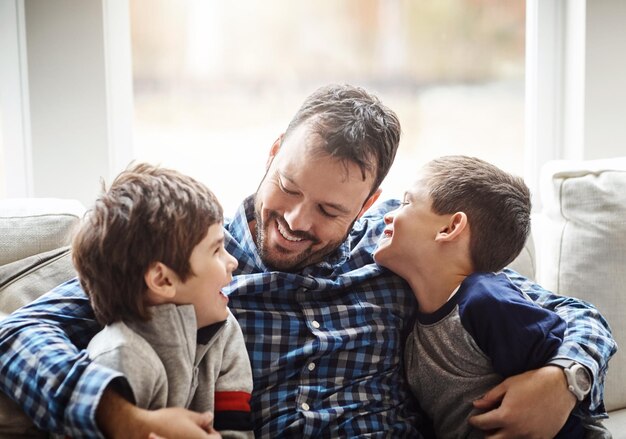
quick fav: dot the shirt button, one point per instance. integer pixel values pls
(315, 324)
(311, 366)
(305, 407)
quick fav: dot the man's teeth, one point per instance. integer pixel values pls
(286, 235)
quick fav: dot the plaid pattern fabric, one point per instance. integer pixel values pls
(44, 367)
(325, 344)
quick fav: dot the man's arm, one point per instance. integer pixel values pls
(44, 368)
(588, 339)
(121, 419)
(536, 403)
(539, 401)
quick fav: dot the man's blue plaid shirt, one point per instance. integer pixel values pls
(325, 344)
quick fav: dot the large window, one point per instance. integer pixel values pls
(216, 82)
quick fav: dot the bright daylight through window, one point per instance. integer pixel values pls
(216, 82)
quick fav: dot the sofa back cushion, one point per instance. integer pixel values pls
(25, 280)
(582, 246)
(29, 226)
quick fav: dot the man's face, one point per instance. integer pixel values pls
(306, 203)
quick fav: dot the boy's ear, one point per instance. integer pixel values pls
(453, 230)
(161, 282)
(369, 202)
(274, 150)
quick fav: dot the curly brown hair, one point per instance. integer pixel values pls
(148, 214)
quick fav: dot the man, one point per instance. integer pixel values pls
(324, 326)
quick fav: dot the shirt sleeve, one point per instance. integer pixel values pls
(44, 366)
(143, 370)
(233, 386)
(515, 333)
(588, 339)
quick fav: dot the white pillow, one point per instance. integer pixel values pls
(581, 246)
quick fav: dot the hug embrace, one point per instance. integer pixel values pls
(336, 345)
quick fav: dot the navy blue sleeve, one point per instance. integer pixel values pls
(514, 332)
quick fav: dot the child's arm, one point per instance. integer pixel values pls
(234, 386)
(537, 402)
(587, 340)
(117, 348)
(515, 333)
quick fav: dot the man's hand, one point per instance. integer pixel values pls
(534, 404)
(118, 418)
(178, 423)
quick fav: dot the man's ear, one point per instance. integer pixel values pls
(454, 228)
(369, 202)
(274, 150)
(161, 283)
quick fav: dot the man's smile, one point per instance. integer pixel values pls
(285, 234)
(289, 240)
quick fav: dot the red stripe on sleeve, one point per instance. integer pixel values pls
(232, 401)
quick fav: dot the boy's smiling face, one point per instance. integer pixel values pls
(212, 268)
(410, 232)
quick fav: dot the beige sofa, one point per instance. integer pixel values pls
(579, 249)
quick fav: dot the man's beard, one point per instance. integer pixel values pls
(288, 263)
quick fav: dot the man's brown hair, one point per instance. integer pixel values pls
(354, 126)
(497, 205)
(149, 214)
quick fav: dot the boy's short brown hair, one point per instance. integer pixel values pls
(497, 205)
(149, 214)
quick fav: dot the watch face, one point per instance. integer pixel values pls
(582, 379)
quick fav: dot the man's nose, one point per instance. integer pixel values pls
(299, 218)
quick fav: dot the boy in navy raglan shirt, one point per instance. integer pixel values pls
(461, 223)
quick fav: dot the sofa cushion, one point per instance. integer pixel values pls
(23, 281)
(617, 424)
(29, 226)
(582, 246)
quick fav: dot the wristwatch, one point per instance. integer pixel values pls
(577, 376)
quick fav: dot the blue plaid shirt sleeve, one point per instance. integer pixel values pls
(44, 366)
(587, 340)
